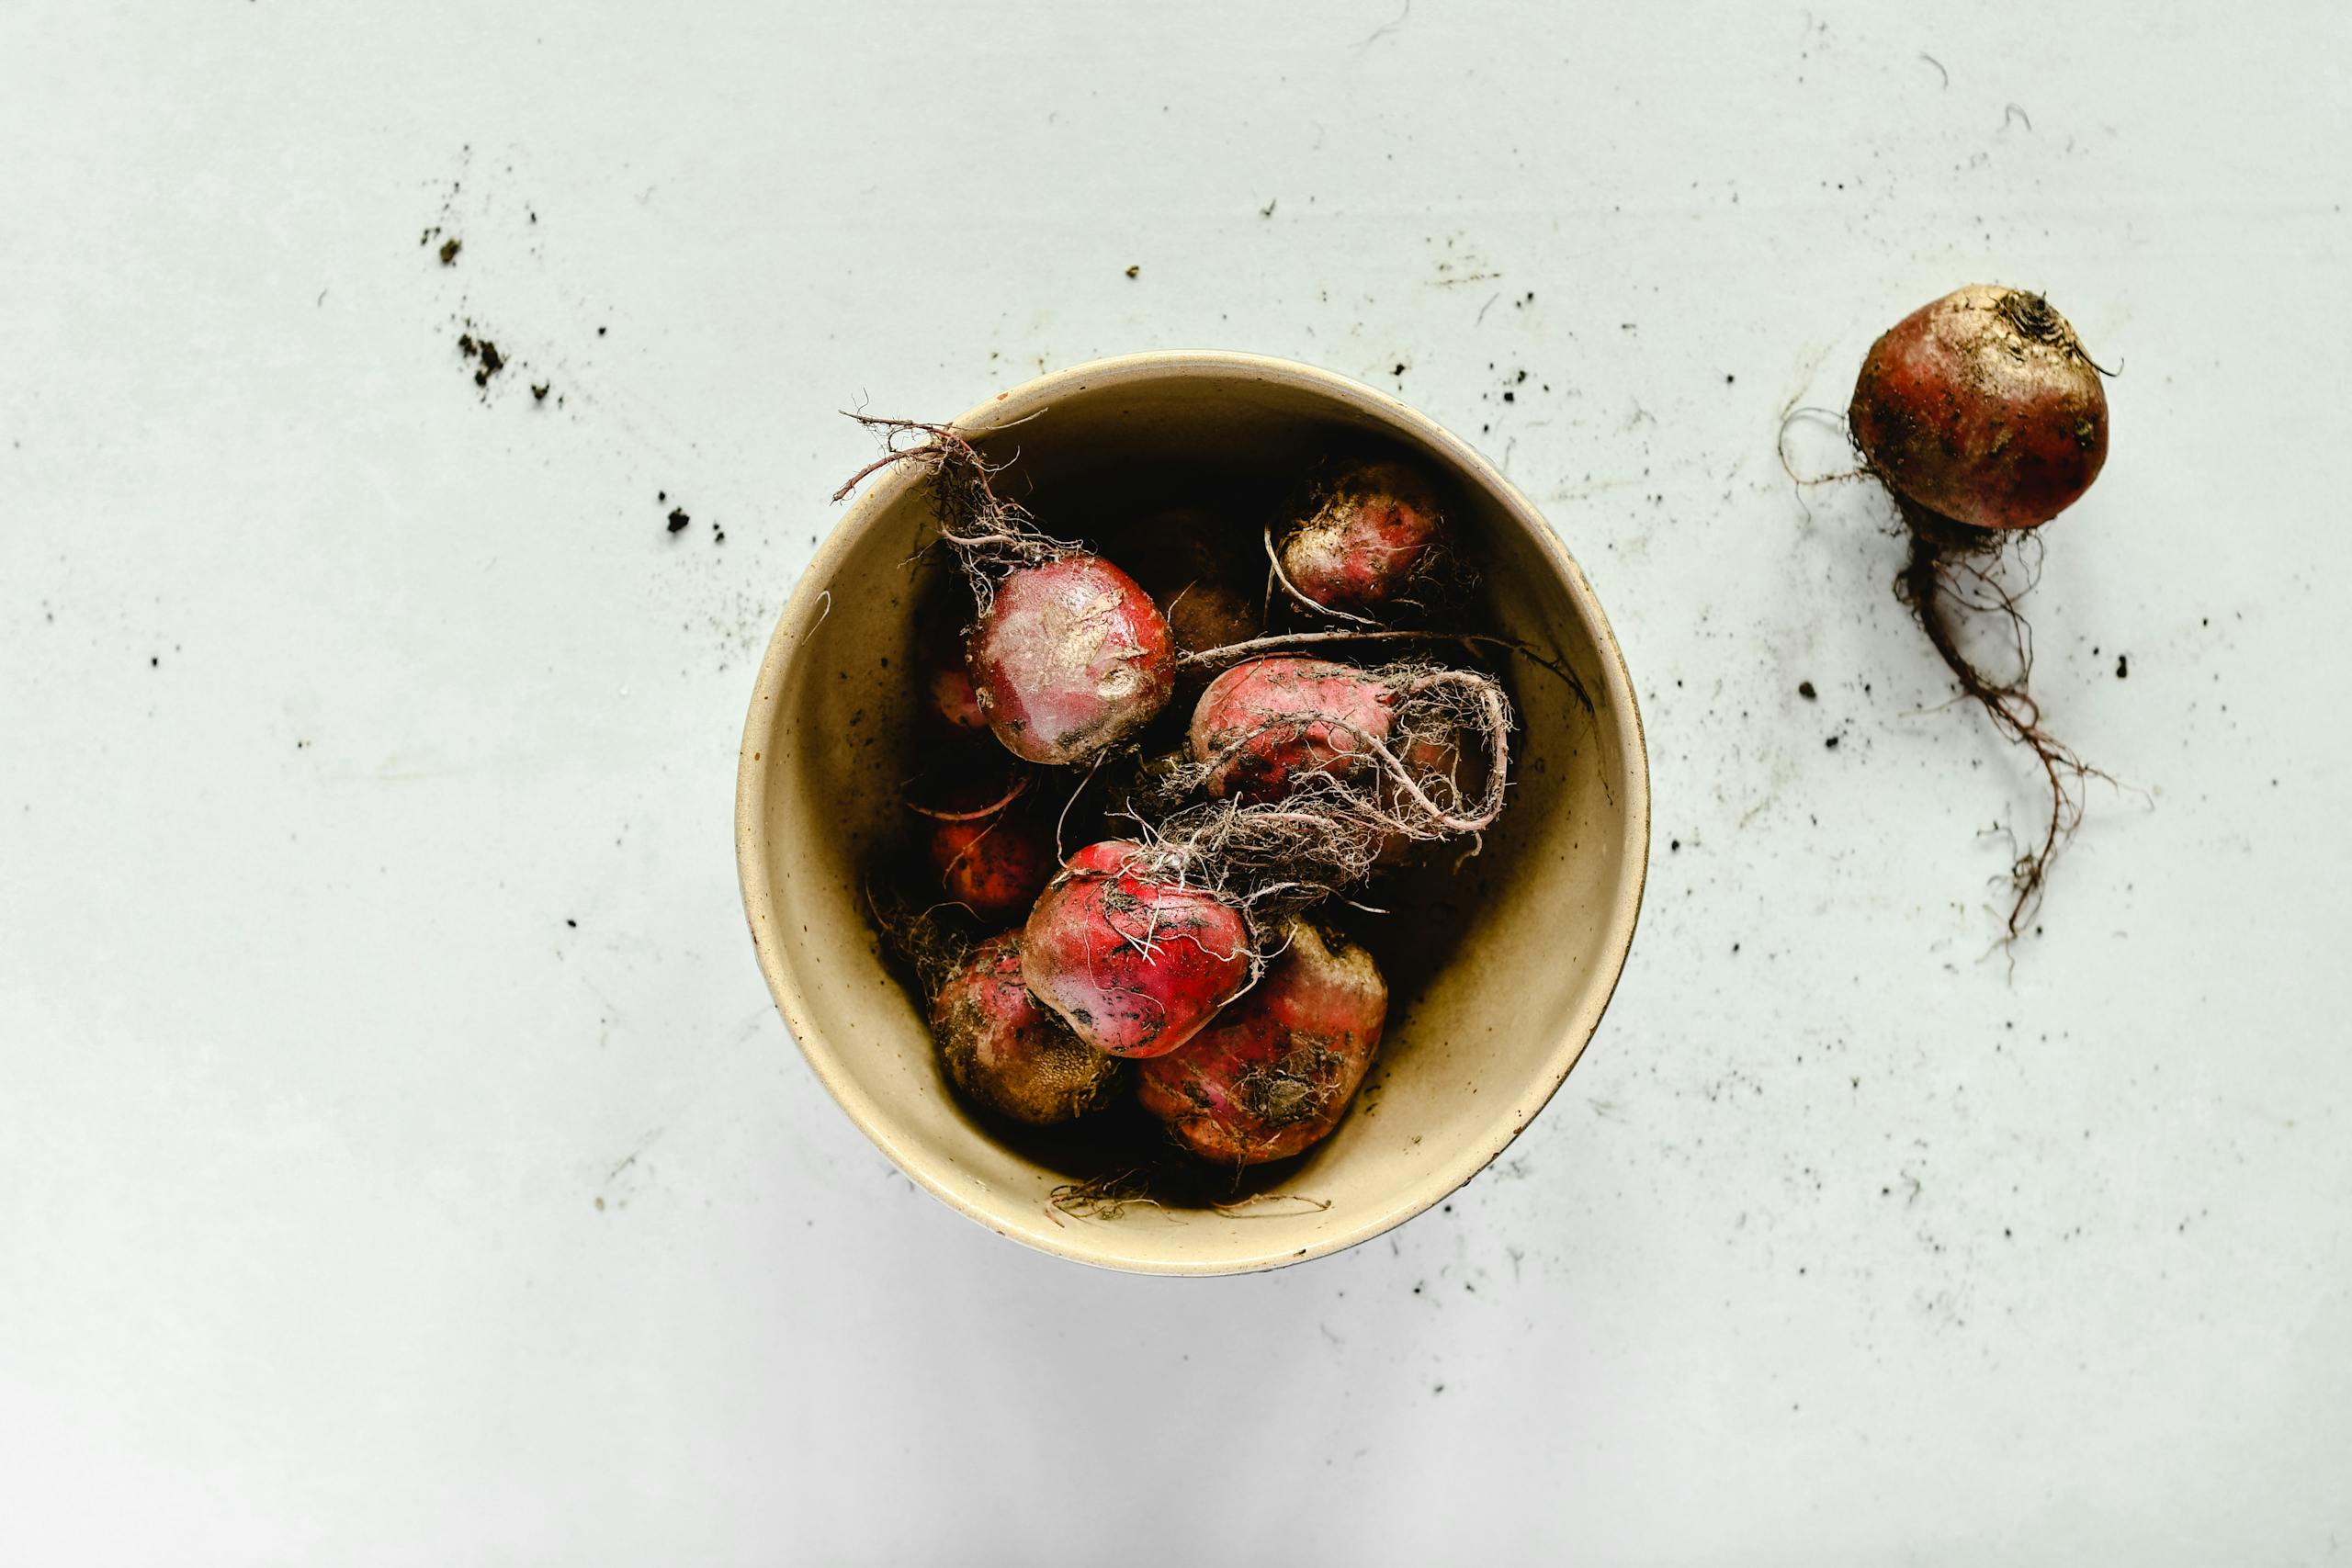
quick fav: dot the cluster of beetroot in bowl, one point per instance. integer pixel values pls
(1153, 778)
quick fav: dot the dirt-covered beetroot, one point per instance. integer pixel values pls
(1260, 725)
(1374, 530)
(1381, 759)
(987, 834)
(994, 865)
(1984, 409)
(1069, 656)
(1007, 1054)
(948, 699)
(1276, 1071)
(949, 687)
(1984, 418)
(1134, 965)
(1208, 589)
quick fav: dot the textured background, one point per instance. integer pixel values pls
(358, 1206)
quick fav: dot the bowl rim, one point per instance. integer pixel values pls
(803, 610)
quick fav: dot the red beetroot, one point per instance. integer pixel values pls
(1983, 409)
(947, 684)
(1069, 656)
(1209, 593)
(1983, 416)
(1007, 1054)
(1263, 725)
(1377, 526)
(1276, 1070)
(986, 837)
(995, 865)
(1135, 966)
(949, 688)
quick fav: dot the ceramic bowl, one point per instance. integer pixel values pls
(1500, 968)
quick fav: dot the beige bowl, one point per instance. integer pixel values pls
(1500, 971)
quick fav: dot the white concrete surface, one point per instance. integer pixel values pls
(358, 1207)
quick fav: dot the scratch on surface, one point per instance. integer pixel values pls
(1381, 32)
(1938, 65)
(2010, 112)
(628, 1159)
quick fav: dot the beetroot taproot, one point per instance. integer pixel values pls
(1132, 964)
(1372, 532)
(1004, 1052)
(1068, 657)
(1275, 1072)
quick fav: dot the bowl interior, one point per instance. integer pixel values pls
(1498, 968)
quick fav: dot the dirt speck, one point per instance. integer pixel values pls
(1804, 690)
(678, 519)
(449, 249)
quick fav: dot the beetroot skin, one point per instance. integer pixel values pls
(1069, 656)
(1276, 1071)
(1007, 1054)
(1983, 409)
(1262, 725)
(1377, 526)
(1135, 967)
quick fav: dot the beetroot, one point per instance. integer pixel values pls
(1260, 725)
(1210, 594)
(1007, 1054)
(990, 842)
(1375, 530)
(952, 700)
(995, 866)
(1134, 964)
(1068, 657)
(1276, 1070)
(948, 700)
(1983, 416)
(1377, 756)
(1983, 409)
